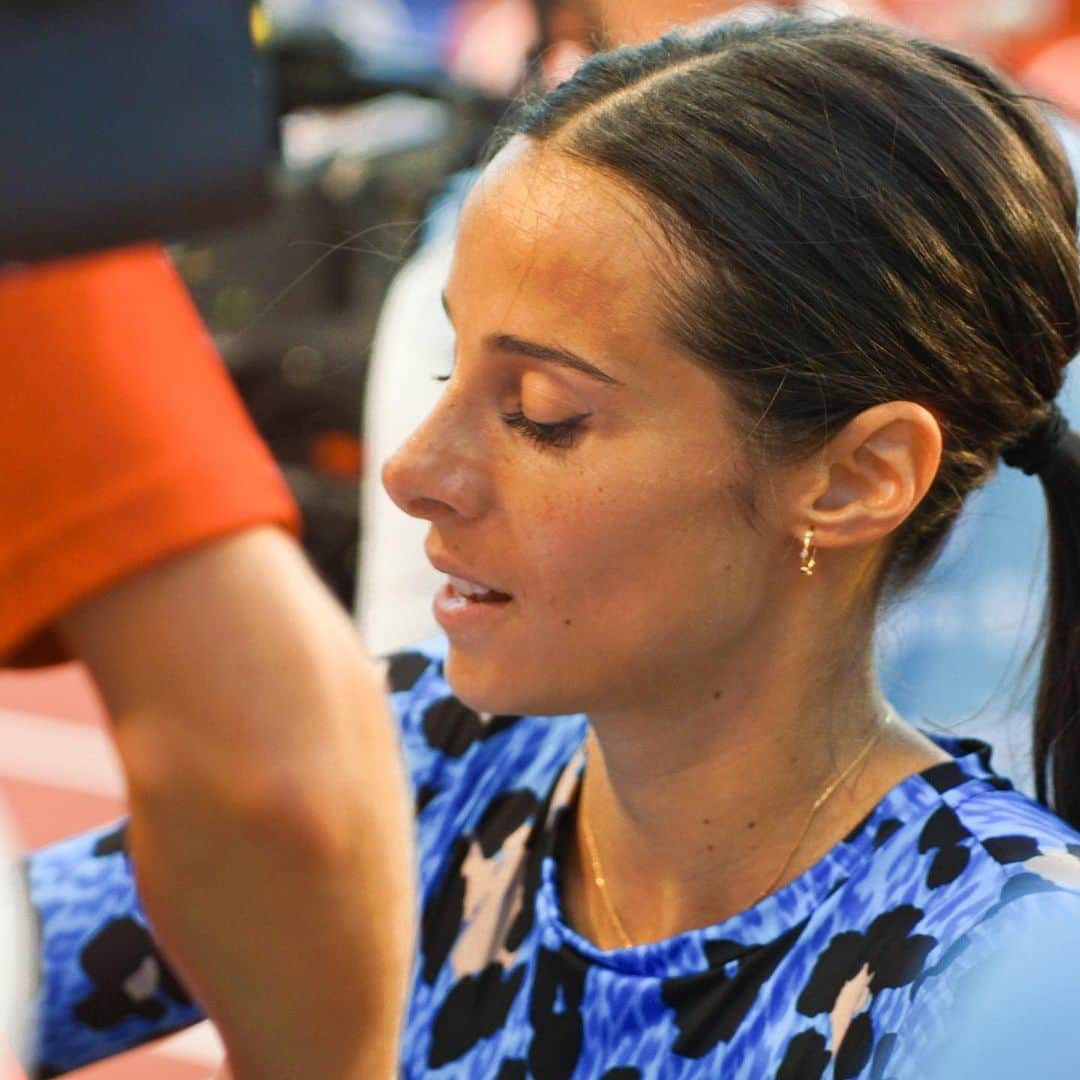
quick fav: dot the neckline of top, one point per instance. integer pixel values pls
(909, 801)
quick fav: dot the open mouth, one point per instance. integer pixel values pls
(464, 592)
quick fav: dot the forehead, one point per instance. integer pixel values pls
(543, 231)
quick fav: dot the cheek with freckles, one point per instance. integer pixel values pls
(615, 560)
(575, 548)
(621, 584)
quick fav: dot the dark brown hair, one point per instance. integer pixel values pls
(858, 218)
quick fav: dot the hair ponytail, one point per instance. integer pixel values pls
(1057, 706)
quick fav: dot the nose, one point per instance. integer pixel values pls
(440, 470)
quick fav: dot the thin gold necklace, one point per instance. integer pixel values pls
(625, 941)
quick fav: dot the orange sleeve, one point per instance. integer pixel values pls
(122, 440)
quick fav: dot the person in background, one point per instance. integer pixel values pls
(146, 531)
(712, 400)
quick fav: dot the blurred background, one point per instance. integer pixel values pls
(324, 310)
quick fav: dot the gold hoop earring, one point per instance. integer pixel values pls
(808, 555)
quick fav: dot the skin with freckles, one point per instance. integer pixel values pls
(582, 464)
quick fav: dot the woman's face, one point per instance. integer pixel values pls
(580, 471)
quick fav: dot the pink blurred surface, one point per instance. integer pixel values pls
(57, 778)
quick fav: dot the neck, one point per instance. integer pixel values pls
(693, 816)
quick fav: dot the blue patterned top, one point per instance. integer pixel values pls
(854, 969)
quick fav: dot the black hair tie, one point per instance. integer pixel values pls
(1035, 448)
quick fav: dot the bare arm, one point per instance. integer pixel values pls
(269, 823)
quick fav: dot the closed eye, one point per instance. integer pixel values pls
(561, 434)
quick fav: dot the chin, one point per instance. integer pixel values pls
(503, 690)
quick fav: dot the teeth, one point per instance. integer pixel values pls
(468, 588)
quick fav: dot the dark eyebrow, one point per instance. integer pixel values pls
(508, 343)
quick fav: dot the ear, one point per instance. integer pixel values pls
(870, 476)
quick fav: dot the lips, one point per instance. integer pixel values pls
(474, 592)
(461, 581)
(465, 607)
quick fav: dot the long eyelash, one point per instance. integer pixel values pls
(561, 434)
